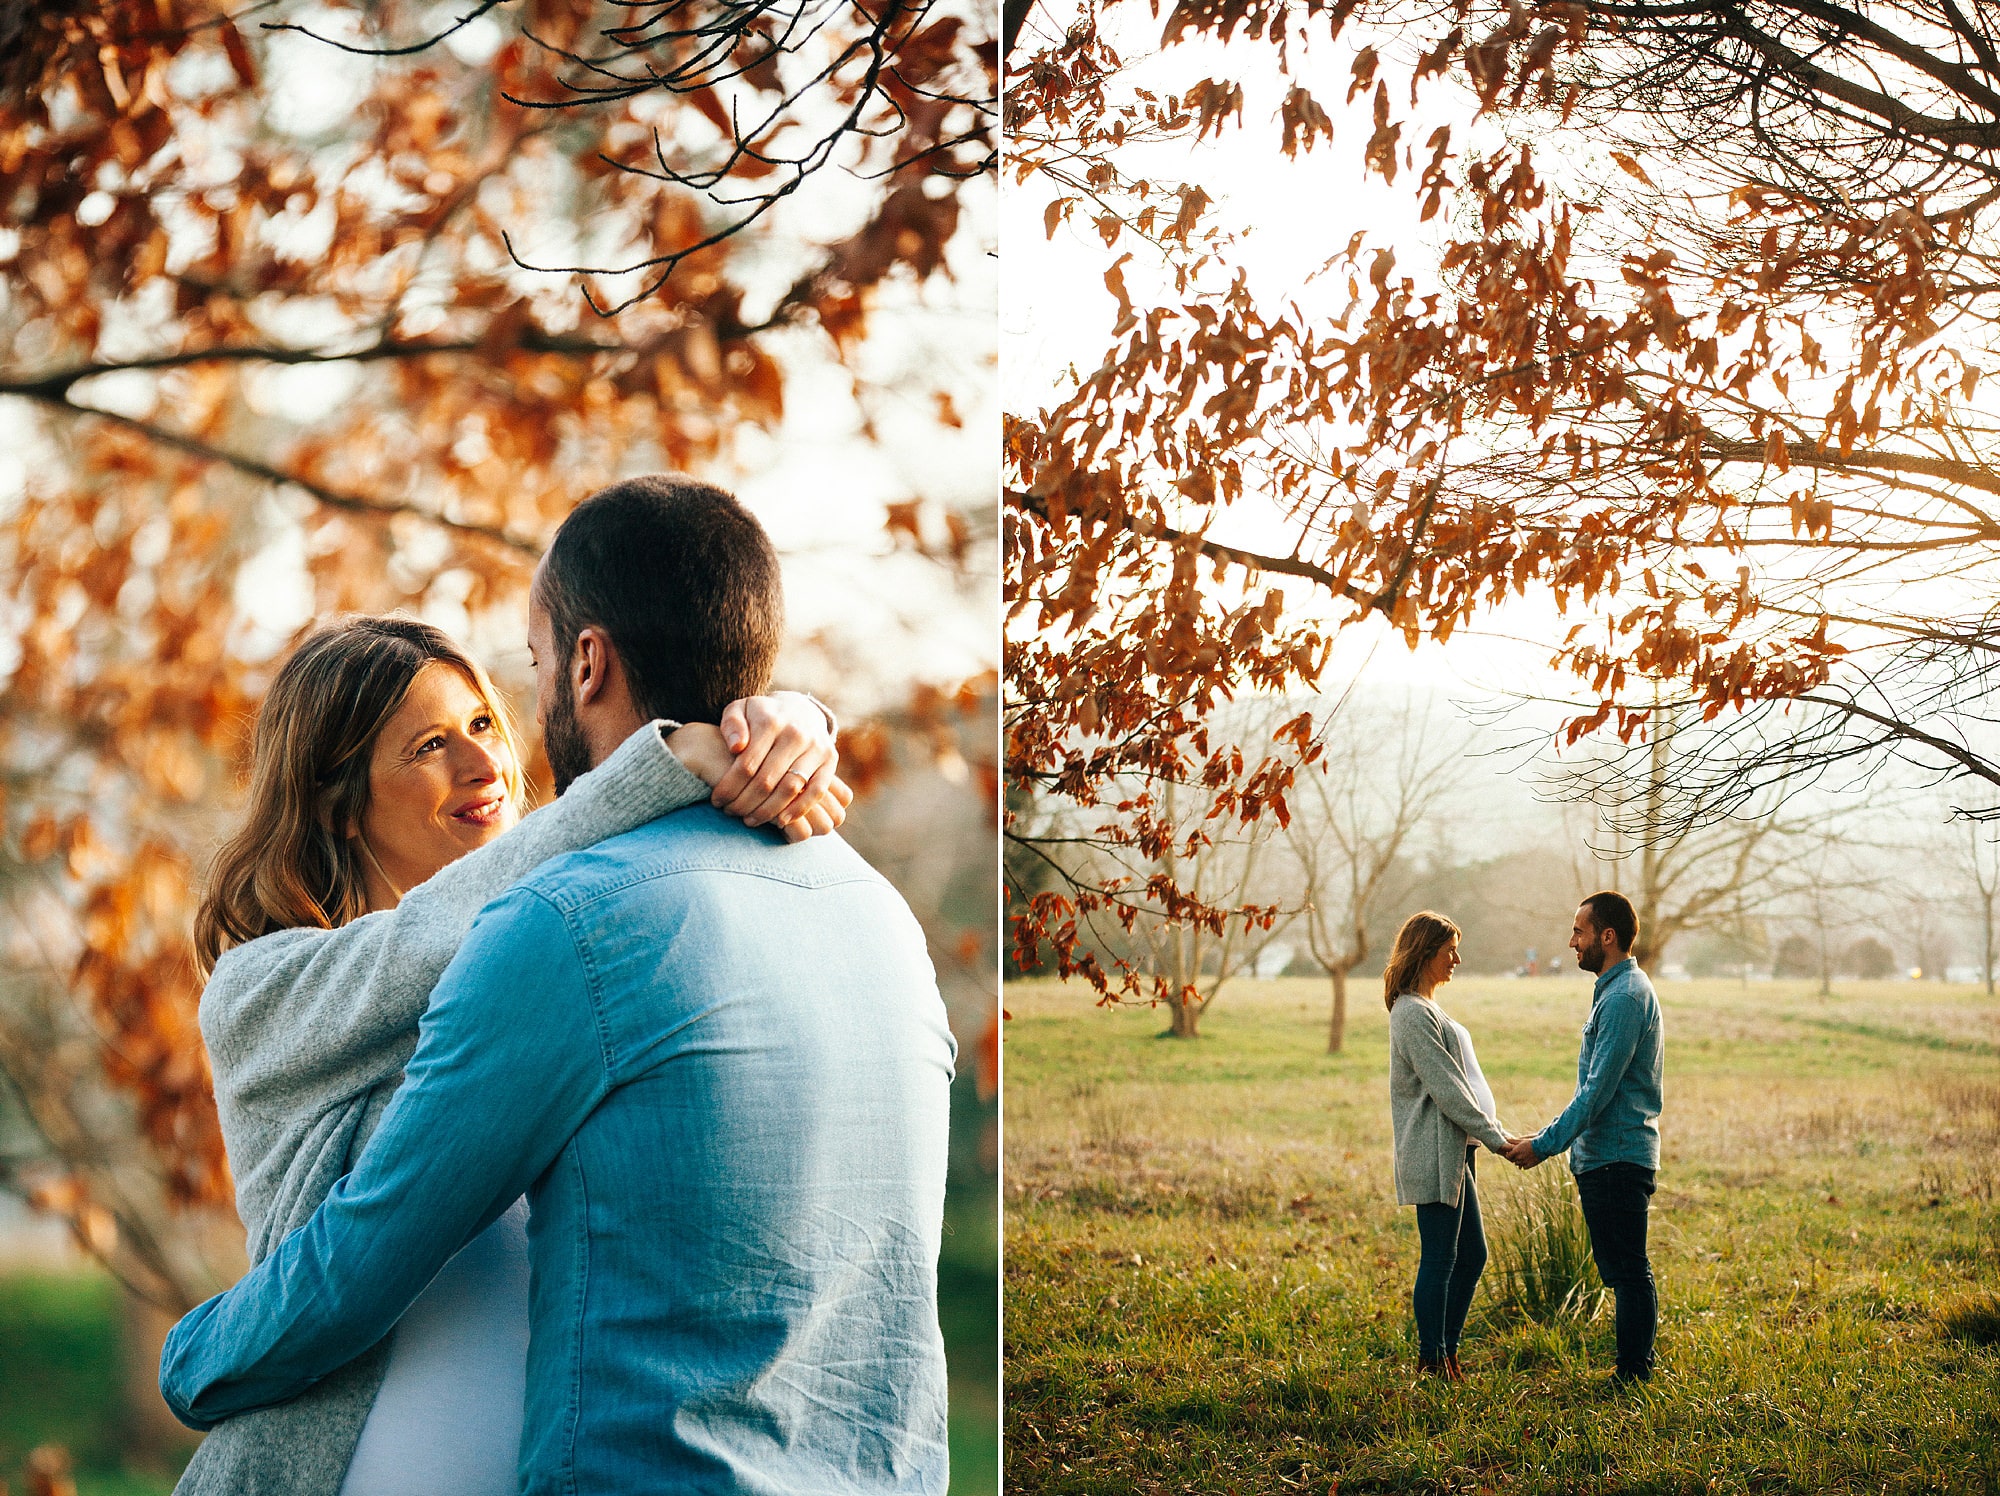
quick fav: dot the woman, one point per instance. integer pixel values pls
(386, 788)
(1439, 1103)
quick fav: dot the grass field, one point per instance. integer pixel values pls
(1207, 1275)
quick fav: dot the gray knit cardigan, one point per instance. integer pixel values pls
(308, 1032)
(1432, 1104)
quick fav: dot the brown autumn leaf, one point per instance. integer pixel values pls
(1629, 164)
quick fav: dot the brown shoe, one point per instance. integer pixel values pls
(1453, 1372)
(1429, 1368)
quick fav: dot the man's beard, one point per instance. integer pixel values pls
(1591, 959)
(563, 740)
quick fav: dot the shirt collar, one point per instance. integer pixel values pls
(1605, 976)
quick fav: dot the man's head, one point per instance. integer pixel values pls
(659, 597)
(1603, 932)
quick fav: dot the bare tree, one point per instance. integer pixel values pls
(1829, 878)
(1693, 873)
(1380, 778)
(1193, 956)
(1928, 931)
(1979, 855)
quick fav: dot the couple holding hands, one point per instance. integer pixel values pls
(1443, 1109)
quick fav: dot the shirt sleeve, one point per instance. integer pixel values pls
(1620, 1019)
(507, 1066)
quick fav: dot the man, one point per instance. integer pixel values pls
(1611, 1127)
(717, 1065)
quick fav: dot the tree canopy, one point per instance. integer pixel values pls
(277, 337)
(1686, 329)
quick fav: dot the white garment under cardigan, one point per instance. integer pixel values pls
(1481, 1092)
(447, 1419)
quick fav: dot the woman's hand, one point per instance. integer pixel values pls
(772, 761)
(1520, 1152)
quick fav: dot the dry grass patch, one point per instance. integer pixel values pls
(1974, 1318)
(1970, 1104)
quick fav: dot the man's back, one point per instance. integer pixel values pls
(719, 1068)
(735, 1255)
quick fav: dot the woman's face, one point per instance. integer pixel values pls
(437, 783)
(1444, 963)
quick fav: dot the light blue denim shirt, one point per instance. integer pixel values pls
(719, 1068)
(1615, 1115)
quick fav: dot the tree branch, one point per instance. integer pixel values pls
(1013, 17)
(1965, 758)
(1811, 454)
(56, 385)
(1890, 110)
(1974, 37)
(1290, 566)
(333, 498)
(1956, 78)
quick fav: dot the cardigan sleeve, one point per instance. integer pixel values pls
(290, 1015)
(1435, 1059)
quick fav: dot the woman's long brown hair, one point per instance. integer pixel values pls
(1423, 935)
(294, 862)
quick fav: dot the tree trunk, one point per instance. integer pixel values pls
(153, 1437)
(1646, 946)
(1187, 1015)
(1646, 949)
(1987, 910)
(1336, 1029)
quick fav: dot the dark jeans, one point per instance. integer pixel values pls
(1614, 1208)
(1454, 1255)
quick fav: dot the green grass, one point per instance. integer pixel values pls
(58, 1366)
(1541, 1269)
(968, 1313)
(1208, 1277)
(59, 1381)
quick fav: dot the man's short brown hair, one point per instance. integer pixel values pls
(1614, 912)
(686, 583)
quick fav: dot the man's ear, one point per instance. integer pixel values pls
(594, 666)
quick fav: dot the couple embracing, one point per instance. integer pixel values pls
(1443, 1110)
(596, 1149)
